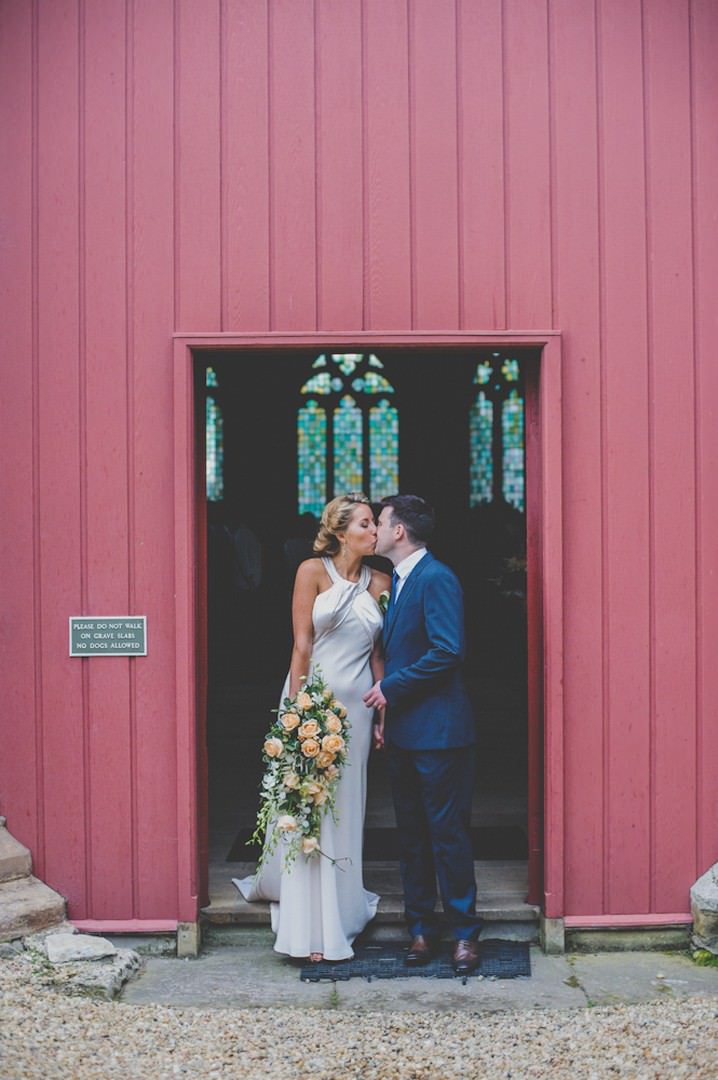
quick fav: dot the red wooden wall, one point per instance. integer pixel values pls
(340, 165)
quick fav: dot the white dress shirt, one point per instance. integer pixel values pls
(404, 568)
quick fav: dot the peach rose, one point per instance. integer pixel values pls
(332, 744)
(308, 730)
(312, 787)
(286, 823)
(332, 723)
(310, 748)
(290, 720)
(273, 747)
(291, 781)
(325, 759)
(339, 709)
(304, 701)
(310, 844)
(320, 797)
(327, 694)
(331, 772)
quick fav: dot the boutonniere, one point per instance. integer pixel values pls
(384, 600)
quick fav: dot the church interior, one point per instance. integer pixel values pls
(281, 433)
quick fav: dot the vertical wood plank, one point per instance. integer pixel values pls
(625, 359)
(576, 240)
(61, 470)
(197, 180)
(432, 36)
(388, 252)
(292, 165)
(245, 166)
(527, 180)
(705, 184)
(672, 446)
(22, 751)
(157, 839)
(481, 165)
(340, 194)
(103, 329)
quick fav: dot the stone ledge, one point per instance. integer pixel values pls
(27, 905)
(15, 859)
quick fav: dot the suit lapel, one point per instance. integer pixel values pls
(406, 590)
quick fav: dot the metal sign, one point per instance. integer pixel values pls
(108, 635)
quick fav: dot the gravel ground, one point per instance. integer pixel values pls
(47, 1034)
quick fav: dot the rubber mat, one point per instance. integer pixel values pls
(497, 960)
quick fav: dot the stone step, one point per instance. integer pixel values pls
(26, 906)
(15, 859)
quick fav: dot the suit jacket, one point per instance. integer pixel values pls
(427, 704)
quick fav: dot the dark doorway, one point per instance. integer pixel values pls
(256, 534)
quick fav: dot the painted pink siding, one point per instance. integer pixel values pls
(370, 165)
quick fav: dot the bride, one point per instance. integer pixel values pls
(318, 907)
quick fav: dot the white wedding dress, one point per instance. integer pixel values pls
(318, 907)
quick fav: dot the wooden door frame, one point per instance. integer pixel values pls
(544, 526)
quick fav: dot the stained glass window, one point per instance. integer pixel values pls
(481, 424)
(348, 455)
(361, 432)
(311, 450)
(496, 433)
(214, 450)
(512, 423)
(384, 444)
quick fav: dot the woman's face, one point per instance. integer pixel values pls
(360, 535)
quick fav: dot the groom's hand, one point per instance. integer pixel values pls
(375, 699)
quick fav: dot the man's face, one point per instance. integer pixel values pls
(385, 532)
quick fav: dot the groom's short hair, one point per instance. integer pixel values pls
(414, 513)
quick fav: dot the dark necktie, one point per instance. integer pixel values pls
(394, 584)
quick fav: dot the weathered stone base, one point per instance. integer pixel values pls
(704, 909)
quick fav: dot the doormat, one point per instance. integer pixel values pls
(497, 960)
(382, 845)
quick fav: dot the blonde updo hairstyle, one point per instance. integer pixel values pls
(336, 516)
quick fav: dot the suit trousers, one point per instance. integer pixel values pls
(432, 792)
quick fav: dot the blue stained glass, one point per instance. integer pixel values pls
(375, 362)
(481, 423)
(373, 383)
(211, 377)
(347, 361)
(312, 454)
(321, 361)
(483, 374)
(384, 450)
(214, 444)
(348, 448)
(510, 370)
(318, 384)
(512, 424)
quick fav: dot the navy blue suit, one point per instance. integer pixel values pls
(430, 732)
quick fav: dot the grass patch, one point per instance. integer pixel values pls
(704, 958)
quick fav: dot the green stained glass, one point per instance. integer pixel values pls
(512, 425)
(348, 449)
(481, 423)
(214, 449)
(510, 370)
(347, 362)
(312, 453)
(211, 377)
(321, 361)
(384, 450)
(375, 362)
(483, 374)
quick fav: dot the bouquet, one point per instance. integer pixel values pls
(304, 752)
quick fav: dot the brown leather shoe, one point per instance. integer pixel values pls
(466, 957)
(420, 952)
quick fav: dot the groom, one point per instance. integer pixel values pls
(429, 733)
